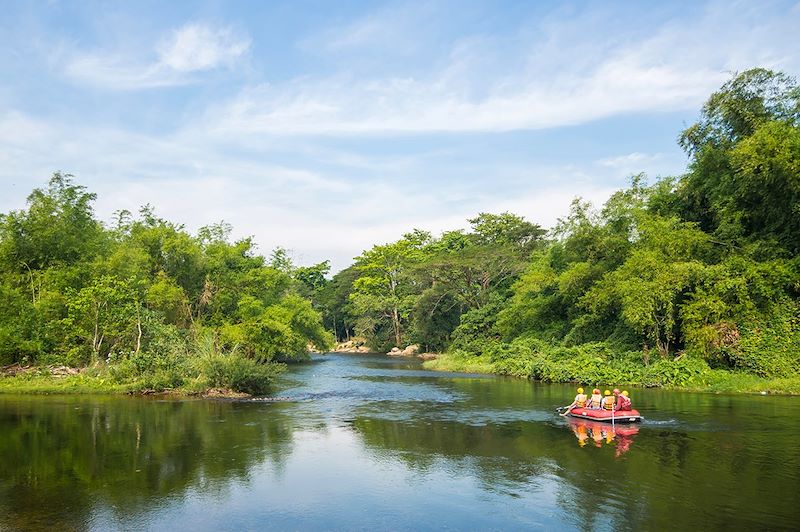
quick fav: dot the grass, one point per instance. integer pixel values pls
(711, 381)
(42, 383)
(479, 364)
(217, 375)
(721, 381)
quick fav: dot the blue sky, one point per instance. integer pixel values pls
(326, 127)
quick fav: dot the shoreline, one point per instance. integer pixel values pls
(62, 380)
(717, 382)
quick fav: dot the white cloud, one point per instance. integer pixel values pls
(389, 30)
(190, 49)
(199, 47)
(319, 214)
(332, 107)
(672, 68)
(634, 163)
(625, 161)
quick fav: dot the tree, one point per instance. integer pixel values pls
(385, 288)
(338, 309)
(73, 291)
(58, 228)
(742, 105)
(105, 315)
(312, 279)
(742, 183)
(506, 229)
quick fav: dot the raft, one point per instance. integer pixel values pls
(620, 416)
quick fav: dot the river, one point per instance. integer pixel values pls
(377, 443)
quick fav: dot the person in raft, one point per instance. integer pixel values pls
(623, 401)
(609, 402)
(595, 399)
(579, 402)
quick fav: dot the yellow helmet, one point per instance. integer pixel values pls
(606, 392)
(625, 393)
(580, 390)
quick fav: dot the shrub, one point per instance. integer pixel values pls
(678, 372)
(238, 373)
(771, 347)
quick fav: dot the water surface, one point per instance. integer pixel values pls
(372, 442)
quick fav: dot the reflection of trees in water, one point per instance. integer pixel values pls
(670, 479)
(61, 457)
(503, 457)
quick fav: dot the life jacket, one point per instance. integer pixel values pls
(624, 403)
(594, 401)
(580, 400)
(608, 405)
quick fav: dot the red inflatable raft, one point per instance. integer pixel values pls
(620, 416)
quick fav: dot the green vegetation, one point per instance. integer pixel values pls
(691, 281)
(144, 305)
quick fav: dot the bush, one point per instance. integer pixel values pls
(14, 349)
(238, 373)
(771, 347)
(161, 364)
(678, 372)
(592, 363)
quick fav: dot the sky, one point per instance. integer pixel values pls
(328, 127)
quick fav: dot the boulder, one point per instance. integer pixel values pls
(411, 350)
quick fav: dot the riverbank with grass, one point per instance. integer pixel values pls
(680, 374)
(212, 375)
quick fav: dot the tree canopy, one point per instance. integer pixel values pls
(77, 292)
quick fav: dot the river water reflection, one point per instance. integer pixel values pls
(372, 442)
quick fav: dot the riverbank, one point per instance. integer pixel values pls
(80, 384)
(221, 378)
(699, 380)
(63, 380)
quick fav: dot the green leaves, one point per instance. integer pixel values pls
(135, 294)
(58, 228)
(743, 182)
(385, 289)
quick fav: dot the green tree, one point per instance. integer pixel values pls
(385, 289)
(57, 228)
(742, 182)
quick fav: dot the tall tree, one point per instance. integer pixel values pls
(385, 288)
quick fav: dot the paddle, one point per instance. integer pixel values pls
(612, 415)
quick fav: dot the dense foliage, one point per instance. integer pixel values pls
(144, 300)
(663, 284)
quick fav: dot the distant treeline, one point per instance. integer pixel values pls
(665, 281)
